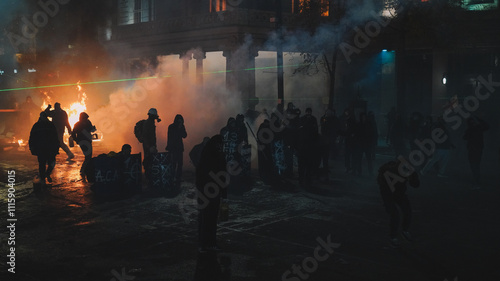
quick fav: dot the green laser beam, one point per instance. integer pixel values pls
(81, 83)
(135, 79)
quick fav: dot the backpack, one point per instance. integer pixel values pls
(138, 130)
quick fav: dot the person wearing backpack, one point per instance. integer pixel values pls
(145, 131)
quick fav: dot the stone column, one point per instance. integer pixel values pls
(240, 75)
(199, 56)
(185, 57)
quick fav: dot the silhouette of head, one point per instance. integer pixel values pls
(126, 149)
(84, 116)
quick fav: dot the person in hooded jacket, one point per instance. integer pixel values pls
(210, 190)
(176, 132)
(44, 143)
(82, 134)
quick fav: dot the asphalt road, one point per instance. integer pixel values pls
(337, 232)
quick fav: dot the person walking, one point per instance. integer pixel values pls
(393, 179)
(44, 144)
(176, 132)
(60, 120)
(212, 162)
(82, 134)
(474, 137)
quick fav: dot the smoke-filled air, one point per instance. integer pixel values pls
(205, 108)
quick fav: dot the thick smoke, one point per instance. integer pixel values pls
(205, 108)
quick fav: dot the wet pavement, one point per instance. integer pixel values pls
(339, 231)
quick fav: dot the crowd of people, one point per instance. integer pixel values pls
(46, 137)
(284, 138)
(413, 136)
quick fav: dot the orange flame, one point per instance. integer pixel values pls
(20, 142)
(74, 109)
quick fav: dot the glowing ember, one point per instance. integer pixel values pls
(20, 142)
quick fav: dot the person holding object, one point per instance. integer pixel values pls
(82, 134)
(43, 143)
(176, 132)
(60, 120)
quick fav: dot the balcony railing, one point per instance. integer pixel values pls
(236, 17)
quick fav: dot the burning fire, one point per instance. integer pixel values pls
(20, 142)
(75, 108)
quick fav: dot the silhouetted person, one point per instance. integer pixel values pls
(195, 153)
(229, 135)
(82, 134)
(373, 132)
(265, 159)
(415, 129)
(398, 135)
(277, 150)
(292, 124)
(125, 152)
(61, 121)
(348, 131)
(392, 180)
(426, 130)
(308, 148)
(243, 149)
(441, 154)
(149, 139)
(390, 118)
(475, 144)
(176, 132)
(43, 143)
(241, 129)
(363, 144)
(329, 125)
(210, 190)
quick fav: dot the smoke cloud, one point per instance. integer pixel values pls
(205, 108)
